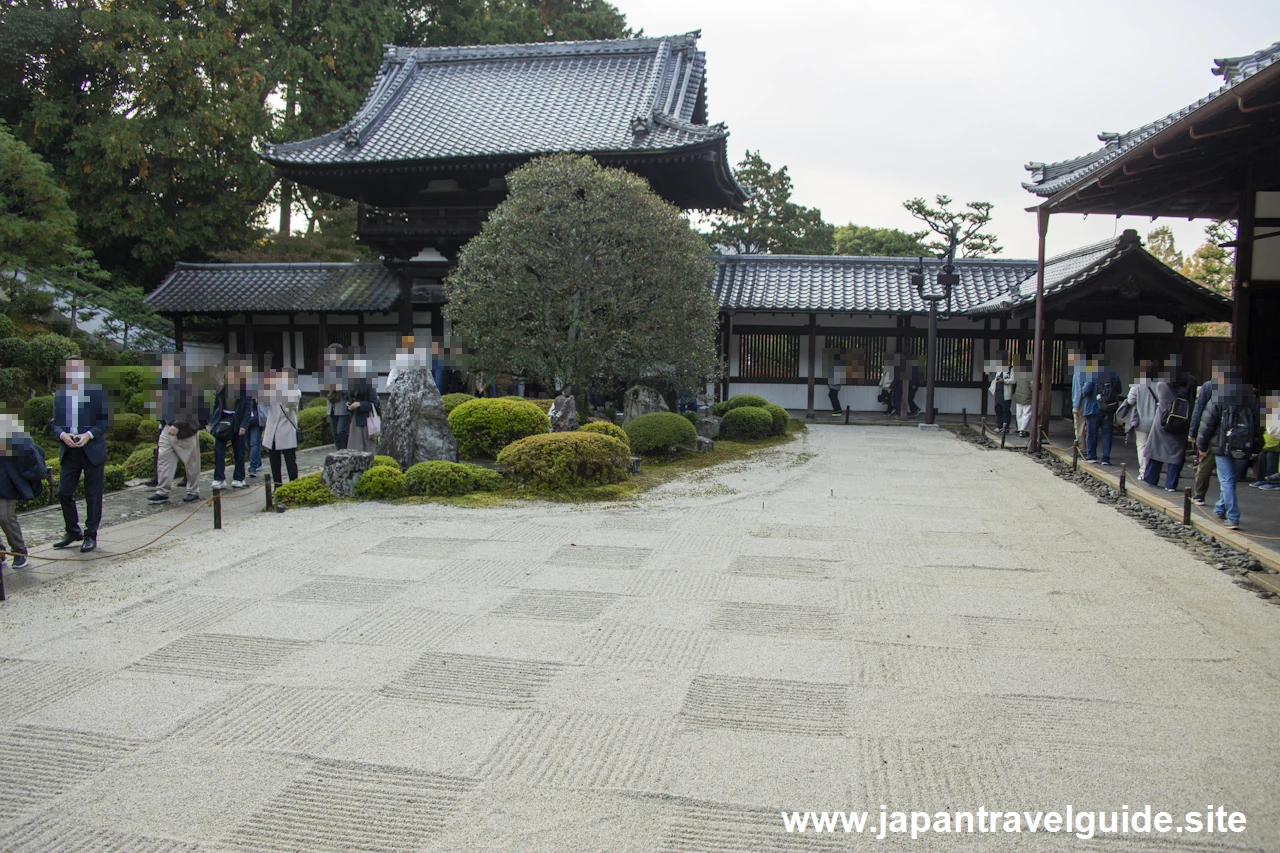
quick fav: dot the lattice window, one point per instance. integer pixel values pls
(873, 347)
(769, 356)
(955, 356)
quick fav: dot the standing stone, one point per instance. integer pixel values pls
(705, 445)
(416, 427)
(708, 427)
(564, 414)
(343, 469)
(641, 400)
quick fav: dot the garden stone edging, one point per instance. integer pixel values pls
(343, 470)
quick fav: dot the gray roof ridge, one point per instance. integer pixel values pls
(708, 130)
(534, 50)
(1236, 69)
(898, 259)
(1081, 251)
(278, 265)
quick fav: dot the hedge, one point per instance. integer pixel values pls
(141, 463)
(660, 432)
(562, 460)
(483, 427)
(316, 403)
(304, 491)
(746, 423)
(314, 424)
(124, 427)
(37, 413)
(738, 401)
(380, 483)
(445, 479)
(385, 461)
(14, 351)
(7, 329)
(206, 441)
(453, 401)
(780, 418)
(607, 428)
(148, 429)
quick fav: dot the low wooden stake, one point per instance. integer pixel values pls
(217, 509)
(269, 490)
(964, 418)
(1075, 458)
(1186, 507)
(1124, 473)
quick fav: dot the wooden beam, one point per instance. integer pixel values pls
(813, 344)
(177, 332)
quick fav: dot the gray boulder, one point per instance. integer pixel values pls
(343, 469)
(705, 445)
(641, 400)
(416, 427)
(563, 414)
(708, 427)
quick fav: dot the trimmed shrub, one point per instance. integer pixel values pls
(148, 429)
(124, 427)
(780, 418)
(545, 405)
(140, 464)
(7, 329)
(206, 440)
(380, 483)
(385, 461)
(562, 460)
(113, 477)
(14, 351)
(737, 401)
(11, 380)
(304, 491)
(314, 424)
(483, 427)
(124, 382)
(453, 401)
(439, 479)
(660, 432)
(607, 428)
(691, 417)
(746, 423)
(36, 414)
(137, 403)
(316, 403)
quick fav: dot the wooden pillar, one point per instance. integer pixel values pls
(247, 342)
(324, 331)
(360, 328)
(986, 356)
(1242, 308)
(813, 345)
(177, 332)
(406, 304)
(1046, 364)
(727, 337)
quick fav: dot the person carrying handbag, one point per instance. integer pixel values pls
(366, 421)
(280, 435)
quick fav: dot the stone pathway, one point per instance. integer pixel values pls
(864, 617)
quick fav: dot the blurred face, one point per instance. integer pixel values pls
(75, 372)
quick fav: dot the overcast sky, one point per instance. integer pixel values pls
(871, 103)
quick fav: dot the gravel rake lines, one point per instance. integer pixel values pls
(224, 657)
(30, 684)
(485, 682)
(761, 704)
(37, 764)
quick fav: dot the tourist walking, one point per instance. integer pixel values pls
(335, 395)
(280, 436)
(885, 397)
(1079, 378)
(80, 420)
(1100, 401)
(1022, 388)
(1229, 429)
(837, 374)
(1002, 389)
(363, 405)
(1167, 440)
(22, 474)
(1206, 463)
(257, 422)
(179, 431)
(1142, 401)
(228, 424)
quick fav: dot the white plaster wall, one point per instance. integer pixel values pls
(1154, 325)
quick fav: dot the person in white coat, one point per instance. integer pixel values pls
(280, 435)
(1143, 399)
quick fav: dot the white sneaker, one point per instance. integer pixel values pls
(219, 484)
(238, 484)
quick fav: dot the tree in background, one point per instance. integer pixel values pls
(1160, 243)
(128, 311)
(330, 236)
(865, 241)
(771, 223)
(509, 22)
(81, 287)
(1211, 265)
(36, 224)
(583, 276)
(959, 230)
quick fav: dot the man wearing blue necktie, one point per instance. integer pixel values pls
(80, 421)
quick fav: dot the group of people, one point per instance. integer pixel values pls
(1010, 389)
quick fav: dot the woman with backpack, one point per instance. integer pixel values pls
(1167, 441)
(280, 435)
(1230, 430)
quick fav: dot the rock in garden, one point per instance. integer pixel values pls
(343, 469)
(708, 427)
(416, 427)
(564, 414)
(705, 445)
(641, 400)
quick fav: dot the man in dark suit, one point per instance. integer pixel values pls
(79, 421)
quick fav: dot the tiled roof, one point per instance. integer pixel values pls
(1051, 178)
(858, 285)
(220, 288)
(644, 94)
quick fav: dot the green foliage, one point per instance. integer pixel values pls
(453, 401)
(960, 230)
(489, 22)
(79, 285)
(691, 417)
(780, 419)
(140, 464)
(113, 477)
(14, 351)
(309, 490)
(37, 413)
(123, 382)
(316, 403)
(660, 432)
(448, 479)
(386, 461)
(607, 428)
(484, 426)
(583, 274)
(129, 312)
(737, 401)
(148, 429)
(36, 223)
(137, 404)
(48, 353)
(314, 424)
(380, 483)
(11, 381)
(746, 423)
(864, 241)
(124, 427)
(545, 405)
(206, 442)
(1160, 242)
(562, 460)
(770, 223)
(7, 328)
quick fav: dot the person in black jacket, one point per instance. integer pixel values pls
(363, 404)
(233, 405)
(22, 472)
(1230, 428)
(179, 431)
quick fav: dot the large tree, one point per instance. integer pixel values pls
(771, 223)
(959, 232)
(865, 241)
(583, 276)
(37, 227)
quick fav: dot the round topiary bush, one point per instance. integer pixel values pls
(314, 424)
(483, 427)
(316, 403)
(746, 423)
(562, 460)
(780, 418)
(737, 401)
(14, 351)
(113, 477)
(660, 432)
(606, 428)
(439, 479)
(304, 491)
(7, 329)
(380, 483)
(141, 464)
(206, 442)
(148, 429)
(37, 413)
(453, 401)
(386, 461)
(124, 427)
(691, 417)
